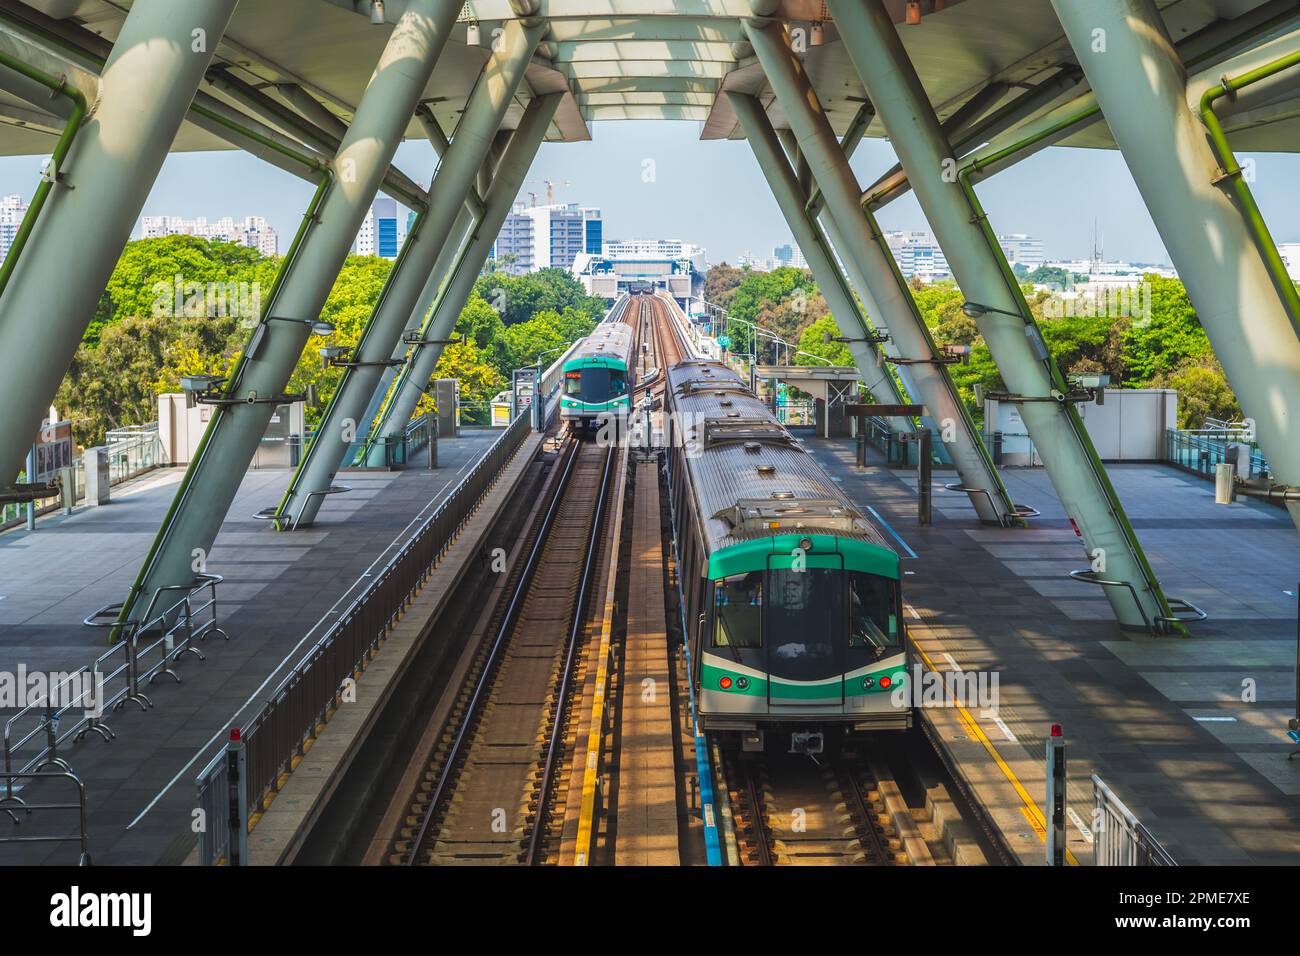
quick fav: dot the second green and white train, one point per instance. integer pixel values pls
(792, 598)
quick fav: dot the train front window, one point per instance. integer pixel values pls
(873, 614)
(804, 613)
(617, 383)
(737, 606)
(572, 383)
(595, 384)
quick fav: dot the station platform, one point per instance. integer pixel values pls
(278, 590)
(1190, 733)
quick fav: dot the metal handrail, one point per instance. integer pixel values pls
(287, 718)
(174, 640)
(1089, 576)
(1121, 839)
(18, 803)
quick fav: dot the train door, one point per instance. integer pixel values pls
(803, 631)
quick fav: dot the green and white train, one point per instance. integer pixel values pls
(792, 597)
(597, 382)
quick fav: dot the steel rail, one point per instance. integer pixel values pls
(517, 597)
(761, 842)
(553, 746)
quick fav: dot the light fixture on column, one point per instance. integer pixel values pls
(471, 33)
(377, 11)
(913, 12)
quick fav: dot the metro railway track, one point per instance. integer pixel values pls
(792, 812)
(488, 790)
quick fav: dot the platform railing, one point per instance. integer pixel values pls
(18, 808)
(131, 451)
(278, 732)
(1120, 839)
(1199, 450)
(36, 735)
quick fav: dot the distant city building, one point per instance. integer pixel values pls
(789, 255)
(1097, 270)
(545, 237)
(652, 248)
(918, 255)
(12, 210)
(379, 234)
(1290, 254)
(254, 231)
(1022, 250)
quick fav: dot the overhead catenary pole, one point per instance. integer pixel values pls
(509, 177)
(259, 381)
(888, 301)
(146, 87)
(342, 423)
(1002, 316)
(786, 190)
(1141, 84)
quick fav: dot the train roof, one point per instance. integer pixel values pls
(747, 471)
(608, 340)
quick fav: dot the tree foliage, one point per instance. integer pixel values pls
(183, 305)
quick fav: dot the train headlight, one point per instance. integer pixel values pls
(725, 683)
(742, 682)
(868, 682)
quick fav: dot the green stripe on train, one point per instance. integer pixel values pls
(754, 555)
(712, 676)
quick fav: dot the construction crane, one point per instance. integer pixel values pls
(550, 189)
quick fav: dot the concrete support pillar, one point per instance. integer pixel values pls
(873, 272)
(301, 288)
(343, 423)
(1140, 84)
(510, 173)
(1001, 314)
(789, 196)
(146, 88)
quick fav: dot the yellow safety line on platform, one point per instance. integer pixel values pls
(596, 722)
(1031, 809)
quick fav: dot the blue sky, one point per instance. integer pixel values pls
(713, 194)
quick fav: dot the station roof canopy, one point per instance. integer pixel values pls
(635, 59)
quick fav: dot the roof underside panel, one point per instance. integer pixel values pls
(630, 59)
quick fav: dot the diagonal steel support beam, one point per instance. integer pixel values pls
(402, 294)
(784, 184)
(1222, 250)
(295, 301)
(874, 273)
(1002, 315)
(443, 272)
(97, 191)
(509, 177)
(782, 180)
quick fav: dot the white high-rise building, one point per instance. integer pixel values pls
(1290, 252)
(918, 255)
(254, 232)
(650, 249)
(544, 237)
(1021, 249)
(12, 210)
(383, 230)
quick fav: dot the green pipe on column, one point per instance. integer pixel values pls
(1072, 413)
(1232, 173)
(61, 148)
